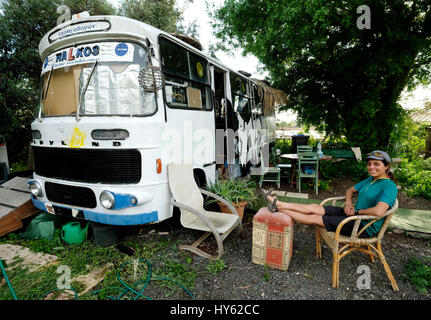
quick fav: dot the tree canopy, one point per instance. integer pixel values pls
(342, 66)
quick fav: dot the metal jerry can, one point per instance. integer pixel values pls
(272, 239)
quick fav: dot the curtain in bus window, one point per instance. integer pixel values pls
(62, 96)
(115, 90)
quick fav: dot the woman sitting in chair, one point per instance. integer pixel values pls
(376, 194)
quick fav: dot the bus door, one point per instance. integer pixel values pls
(218, 87)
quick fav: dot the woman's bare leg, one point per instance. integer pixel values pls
(310, 219)
(313, 208)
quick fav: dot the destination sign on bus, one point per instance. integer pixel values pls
(79, 28)
(103, 52)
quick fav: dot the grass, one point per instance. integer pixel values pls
(214, 267)
(83, 258)
(418, 272)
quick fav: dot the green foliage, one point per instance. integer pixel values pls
(325, 185)
(419, 274)
(408, 140)
(17, 167)
(284, 145)
(348, 168)
(162, 14)
(342, 79)
(266, 275)
(234, 190)
(427, 164)
(214, 267)
(415, 178)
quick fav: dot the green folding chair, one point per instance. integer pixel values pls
(308, 167)
(267, 173)
(304, 148)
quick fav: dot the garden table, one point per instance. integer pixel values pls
(293, 157)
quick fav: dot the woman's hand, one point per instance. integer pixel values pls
(349, 209)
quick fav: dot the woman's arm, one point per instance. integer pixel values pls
(349, 208)
(377, 211)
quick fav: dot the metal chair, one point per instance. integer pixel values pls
(308, 167)
(349, 244)
(304, 148)
(284, 167)
(188, 197)
(267, 173)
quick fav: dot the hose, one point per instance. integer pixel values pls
(126, 289)
(7, 280)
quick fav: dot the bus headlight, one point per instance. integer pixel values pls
(35, 188)
(107, 200)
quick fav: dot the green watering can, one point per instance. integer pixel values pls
(72, 233)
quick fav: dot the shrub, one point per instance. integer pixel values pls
(348, 168)
(419, 274)
(414, 178)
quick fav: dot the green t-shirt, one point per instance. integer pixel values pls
(370, 193)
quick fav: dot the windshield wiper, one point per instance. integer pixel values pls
(84, 89)
(44, 92)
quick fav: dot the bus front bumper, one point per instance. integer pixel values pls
(104, 218)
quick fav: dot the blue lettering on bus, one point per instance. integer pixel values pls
(87, 51)
(95, 50)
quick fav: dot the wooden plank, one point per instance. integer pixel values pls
(13, 198)
(4, 211)
(12, 221)
(18, 183)
(26, 210)
(11, 227)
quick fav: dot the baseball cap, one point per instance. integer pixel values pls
(378, 155)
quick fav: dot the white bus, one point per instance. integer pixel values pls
(120, 100)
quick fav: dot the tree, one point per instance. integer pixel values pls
(162, 14)
(342, 65)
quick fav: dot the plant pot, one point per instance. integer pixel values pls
(239, 206)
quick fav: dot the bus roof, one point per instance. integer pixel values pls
(96, 28)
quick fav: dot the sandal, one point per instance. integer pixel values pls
(271, 206)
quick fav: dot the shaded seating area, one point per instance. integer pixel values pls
(342, 245)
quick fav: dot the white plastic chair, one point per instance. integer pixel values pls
(188, 197)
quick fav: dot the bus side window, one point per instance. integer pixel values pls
(176, 92)
(187, 80)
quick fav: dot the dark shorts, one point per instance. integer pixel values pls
(333, 217)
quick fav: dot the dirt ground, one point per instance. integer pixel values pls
(307, 278)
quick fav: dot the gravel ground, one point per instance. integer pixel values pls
(308, 278)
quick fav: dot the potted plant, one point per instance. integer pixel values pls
(238, 192)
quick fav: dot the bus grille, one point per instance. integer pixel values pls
(71, 195)
(89, 165)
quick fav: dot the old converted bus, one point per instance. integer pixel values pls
(119, 101)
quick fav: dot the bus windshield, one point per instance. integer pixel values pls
(100, 78)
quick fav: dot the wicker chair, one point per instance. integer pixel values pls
(349, 244)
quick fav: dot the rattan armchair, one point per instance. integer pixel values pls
(342, 245)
